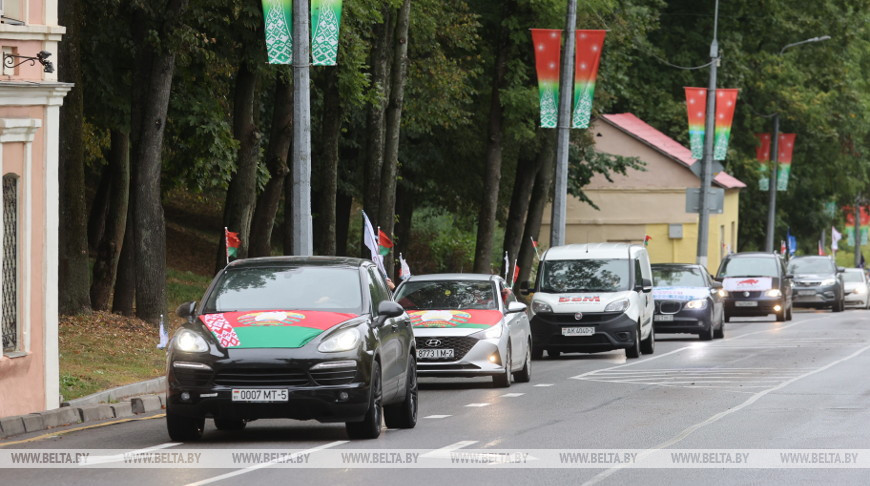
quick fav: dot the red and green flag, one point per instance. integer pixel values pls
(726, 101)
(325, 23)
(785, 144)
(646, 239)
(384, 243)
(586, 59)
(696, 106)
(232, 243)
(548, 49)
(278, 16)
(762, 153)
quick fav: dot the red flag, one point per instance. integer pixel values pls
(726, 101)
(821, 249)
(516, 274)
(786, 147)
(782, 248)
(646, 240)
(587, 56)
(696, 106)
(232, 243)
(548, 51)
(384, 243)
(762, 152)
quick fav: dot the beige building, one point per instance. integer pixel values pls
(649, 202)
(30, 100)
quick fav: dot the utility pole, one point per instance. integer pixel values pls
(707, 160)
(566, 94)
(303, 243)
(774, 168)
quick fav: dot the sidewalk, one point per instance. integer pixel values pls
(120, 402)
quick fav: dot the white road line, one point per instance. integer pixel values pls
(544, 384)
(437, 416)
(715, 418)
(120, 457)
(255, 467)
(445, 451)
(581, 376)
(478, 405)
(513, 395)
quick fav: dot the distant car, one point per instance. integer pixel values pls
(856, 287)
(293, 337)
(687, 301)
(757, 284)
(817, 282)
(468, 325)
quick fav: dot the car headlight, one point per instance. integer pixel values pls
(540, 307)
(341, 341)
(491, 333)
(828, 281)
(190, 342)
(696, 304)
(617, 306)
(773, 293)
(861, 289)
(723, 293)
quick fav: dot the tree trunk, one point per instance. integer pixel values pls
(125, 281)
(109, 247)
(99, 211)
(375, 130)
(405, 211)
(540, 195)
(148, 210)
(486, 219)
(527, 167)
(387, 204)
(330, 133)
(288, 215)
(242, 193)
(343, 205)
(276, 161)
(73, 296)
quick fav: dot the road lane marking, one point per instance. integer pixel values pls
(90, 460)
(446, 450)
(544, 384)
(437, 416)
(478, 405)
(76, 429)
(512, 395)
(715, 418)
(255, 467)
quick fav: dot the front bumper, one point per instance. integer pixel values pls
(611, 330)
(686, 321)
(815, 295)
(753, 306)
(472, 356)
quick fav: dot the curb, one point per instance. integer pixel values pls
(135, 398)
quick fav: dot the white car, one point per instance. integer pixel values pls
(467, 325)
(856, 288)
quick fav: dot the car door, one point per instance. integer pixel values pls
(714, 287)
(645, 299)
(394, 361)
(518, 324)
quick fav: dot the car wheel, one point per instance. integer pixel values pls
(183, 429)
(719, 333)
(634, 350)
(648, 345)
(537, 353)
(707, 333)
(503, 380)
(788, 313)
(838, 306)
(404, 415)
(370, 427)
(727, 318)
(780, 316)
(230, 424)
(525, 375)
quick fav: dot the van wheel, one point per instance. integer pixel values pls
(648, 345)
(634, 350)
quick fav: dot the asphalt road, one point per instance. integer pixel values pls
(767, 387)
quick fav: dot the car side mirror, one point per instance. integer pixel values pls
(716, 285)
(644, 286)
(789, 276)
(185, 310)
(841, 269)
(525, 289)
(515, 307)
(388, 308)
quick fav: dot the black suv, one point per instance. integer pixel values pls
(757, 284)
(818, 282)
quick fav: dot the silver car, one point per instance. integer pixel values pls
(467, 325)
(856, 288)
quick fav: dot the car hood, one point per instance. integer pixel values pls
(582, 302)
(452, 322)
(737, 284)
(271, 329)
(814, 276)
(680, 293)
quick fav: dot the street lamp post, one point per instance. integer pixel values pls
(774, 159)
(707, 159)
(566, 92)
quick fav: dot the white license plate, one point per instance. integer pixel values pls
(260, 395)
(434, 353)
(806, 292)
(578, 331)
(746, 303)
(663, 317)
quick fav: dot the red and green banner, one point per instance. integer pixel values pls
(785, 144)
(696, 106)
(278, 16)
(325, 23)
(475, 319)
(762, 153)
(271, 329)
(586, 59)
(548, 51)
(726, 101)
(850, 224)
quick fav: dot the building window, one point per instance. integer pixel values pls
(10, 324)
(12, 11)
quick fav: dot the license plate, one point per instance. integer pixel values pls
(663, 317)
(746, 303)
(260, 395)
(434, 353)
(806, 292)
(578, 331)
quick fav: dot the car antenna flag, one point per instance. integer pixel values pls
(405, 270)
(371, 242)
(232, 244)
(164, 336)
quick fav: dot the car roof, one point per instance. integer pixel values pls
(855, 270)
(811, 257)
(676, 265)
(294, 261)
(480, 277)
(590, 251)
(753, 254)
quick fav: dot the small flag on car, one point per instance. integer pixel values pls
(232, 242)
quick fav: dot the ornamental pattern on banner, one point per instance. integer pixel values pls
(279, 39)
(221, 328)
(326, 20)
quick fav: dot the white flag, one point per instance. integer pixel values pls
(835, 237)
(405, 271)
(371, 242)
(507, 266)
(164, 336)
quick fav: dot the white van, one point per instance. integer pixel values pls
(592, 297)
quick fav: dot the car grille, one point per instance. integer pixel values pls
(741, 294)
(189, 377)
(669, 306)
(461, 346)
(341, 376)
(261, 377)
(587, 317)
(808, 283)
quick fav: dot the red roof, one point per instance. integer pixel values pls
(642, 131)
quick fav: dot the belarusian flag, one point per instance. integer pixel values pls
(726, 101)
(586, 60)
(232, 243)
(646, 239)
(384, 243)
(696, 107)
(548, 50)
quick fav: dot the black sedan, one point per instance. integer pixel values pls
(687, 301)
(757, 284)
(293, 337)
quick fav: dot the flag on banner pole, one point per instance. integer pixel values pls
(586, 59)
(325, 23)
(371, 243)
(786, 147)
(696, 106)
(404, 269)
(548, 52)
(762, 153)
(726, 101)
(278, 16)
(232, 244)
(835, 238)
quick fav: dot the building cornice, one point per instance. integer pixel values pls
(23, 93)
(52, 33)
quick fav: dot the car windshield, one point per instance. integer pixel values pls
(298, 288)
(447, 295)
(678, 277)
(749, 267)
(584, 276)
(811, 265)
(849, 276)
